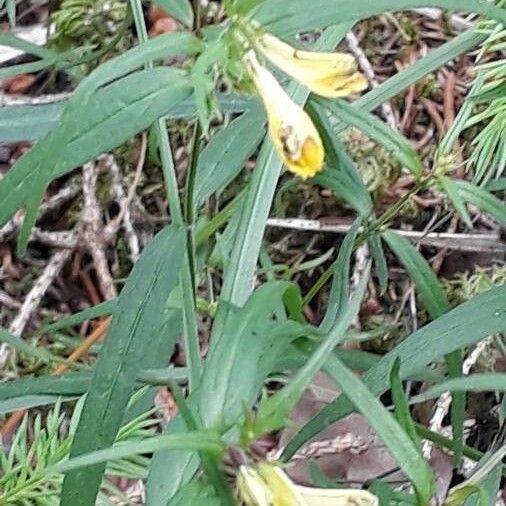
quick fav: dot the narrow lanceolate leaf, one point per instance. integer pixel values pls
(290, 17)
(27, 349)
(98, 117)
(470, 322)
(436, 303)
(227, 152)
(485, 382)
(451, 189)
(74, 383)
(203, 441)
(31, 122)
(341, 174)
(428, 286)
(30, 401)
(339, 291)
(132, 343)
(401, 405)
(374, 128)
(254, 339)
(399, 443)
(482, 199)
(112, 115)
(380, 262)
(102, 309)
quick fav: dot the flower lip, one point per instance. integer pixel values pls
(292, 131)
(326, 74)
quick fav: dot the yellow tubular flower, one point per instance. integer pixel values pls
(266, 484)
(326, 74)
(337, 497)
(292, 131)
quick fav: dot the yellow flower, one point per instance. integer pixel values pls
(268, 485)
(326, 74)
(292, 131)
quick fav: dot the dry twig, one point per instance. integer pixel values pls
(34, 298)
(91, 221)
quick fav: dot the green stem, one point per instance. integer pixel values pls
(190, 334)
(189, 197)
(450, 444)
(221, 218)
(374, 226)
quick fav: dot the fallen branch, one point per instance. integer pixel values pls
(489, 243)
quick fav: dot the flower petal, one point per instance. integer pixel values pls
(337, 497)
(291, 129)
(326, 74)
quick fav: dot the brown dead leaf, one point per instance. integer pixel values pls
(441, 464)
(19, 84)
(348, 450)
(163, 25)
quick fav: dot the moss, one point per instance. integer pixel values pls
(87, 23)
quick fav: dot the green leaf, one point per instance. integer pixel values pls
(227, 152)
(27, 122)
(102, 309)
(27, 349)
(380, 262)
(254, 338)
(164, 376)
(341, 174)
(31, 122)
(273, 412)
(180, 9)
(284, 18)
(98, 117)
(139, 319)
(400, 81)
(482, 199)
(74, 383)
(429, 288)
(197, 440)
(468, 323)
(113, 115)
(451, 189)
(436, 303)
(339, 291)
(374, 128)
(30, 401)
(496, 185)
(398, 442)
(484, 382)
(401, 405)
(11, 12)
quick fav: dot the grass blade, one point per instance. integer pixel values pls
(202, 441)
(429, 288)
(285, 18)
(484, 382)
(399, 443)
(482, 199)
(374, 128)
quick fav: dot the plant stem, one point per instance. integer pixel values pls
(190, 334)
